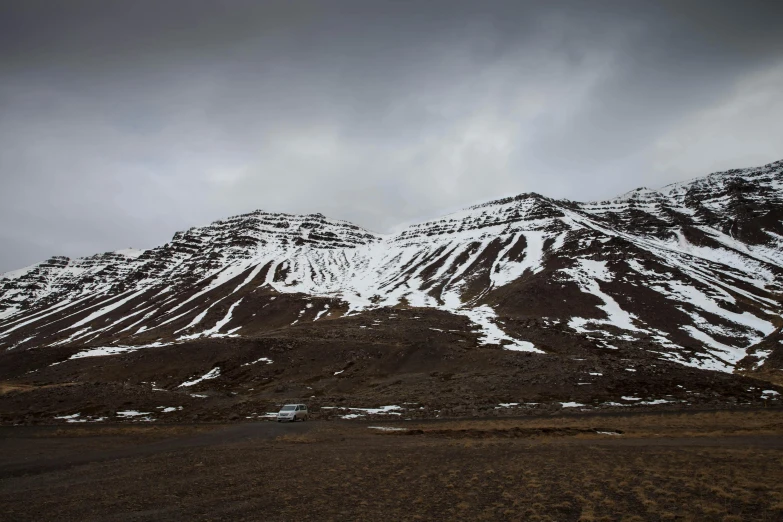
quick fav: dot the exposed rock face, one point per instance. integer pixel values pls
(689, 275)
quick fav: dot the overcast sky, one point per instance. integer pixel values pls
(122, 122)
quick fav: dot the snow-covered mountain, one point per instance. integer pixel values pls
(691, 273)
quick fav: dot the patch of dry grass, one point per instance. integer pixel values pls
(7, 387)
(144, 430)
(519, 479)
(707, 424)
(296, 438)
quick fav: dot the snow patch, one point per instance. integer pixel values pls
(262, 359)
(211, 374)
(132, 414)
(114, 350)
(383, 410)
(169, 409)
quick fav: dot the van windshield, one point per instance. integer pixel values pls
(288, 408)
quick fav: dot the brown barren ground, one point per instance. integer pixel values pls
(724, 466)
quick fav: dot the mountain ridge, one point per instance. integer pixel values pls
(686, 279)
(631, 194)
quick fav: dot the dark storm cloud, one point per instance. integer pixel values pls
(122, 122)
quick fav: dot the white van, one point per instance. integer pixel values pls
(292, 412)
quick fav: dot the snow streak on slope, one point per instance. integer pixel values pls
(485, 318)
(105, 310)
(214, 373)
(505, 271)
(587, 274)
(215, 330)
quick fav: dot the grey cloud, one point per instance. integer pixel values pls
(125, 121)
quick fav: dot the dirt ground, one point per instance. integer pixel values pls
(699, 466)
